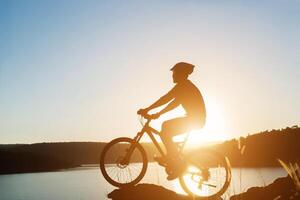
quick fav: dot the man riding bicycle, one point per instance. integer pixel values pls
(184, 93)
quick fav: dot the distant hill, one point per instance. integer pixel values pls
(51, 156)
(264, 148)
(257, 150)
(20, 162)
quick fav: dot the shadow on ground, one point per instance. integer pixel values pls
(146, 192)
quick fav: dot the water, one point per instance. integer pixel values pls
(87, 183)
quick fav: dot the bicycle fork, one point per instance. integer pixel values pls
(129, 151)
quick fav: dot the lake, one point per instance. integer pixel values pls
(87, 183)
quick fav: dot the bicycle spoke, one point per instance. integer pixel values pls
(129, 173)
(123, 168)
(207, 176)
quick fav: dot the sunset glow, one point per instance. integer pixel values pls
(214, 130)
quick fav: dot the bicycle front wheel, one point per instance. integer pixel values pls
(207, 175)
(123, 162)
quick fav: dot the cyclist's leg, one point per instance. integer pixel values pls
(170, 129)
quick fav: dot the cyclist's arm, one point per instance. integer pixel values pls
(163, 100)
(169, 107)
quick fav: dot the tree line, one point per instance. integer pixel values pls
(257, 150)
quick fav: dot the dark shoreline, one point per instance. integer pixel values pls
(14, 162)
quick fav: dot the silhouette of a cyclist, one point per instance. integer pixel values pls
(184, 93)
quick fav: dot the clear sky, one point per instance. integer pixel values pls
(79, 70)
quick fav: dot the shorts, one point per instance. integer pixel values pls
(179, 126)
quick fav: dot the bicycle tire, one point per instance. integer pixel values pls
(104, 161)
(221, 160)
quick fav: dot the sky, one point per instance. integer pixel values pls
(79, 70)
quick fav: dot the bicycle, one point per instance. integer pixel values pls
(123, 162)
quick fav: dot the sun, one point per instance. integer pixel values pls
(214, 129)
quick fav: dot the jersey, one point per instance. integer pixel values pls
(189, 96)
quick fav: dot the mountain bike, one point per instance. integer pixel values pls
(205, 173)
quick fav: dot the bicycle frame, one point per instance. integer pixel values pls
(150, 131)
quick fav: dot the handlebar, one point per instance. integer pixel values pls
(145, 116)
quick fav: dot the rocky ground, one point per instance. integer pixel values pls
(147, 192)
(281, 189)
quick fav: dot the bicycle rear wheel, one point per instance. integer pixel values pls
(207, 176)
(120, 167)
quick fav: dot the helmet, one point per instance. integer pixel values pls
(183, 67)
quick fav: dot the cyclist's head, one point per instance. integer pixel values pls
(181, 71)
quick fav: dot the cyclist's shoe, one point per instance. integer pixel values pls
(161, 160)
(175, 169)
(175, 174)
(172, 176)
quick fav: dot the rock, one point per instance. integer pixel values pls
(146, 192)
(280, 189)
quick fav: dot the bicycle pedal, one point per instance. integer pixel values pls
(162, 164)
(168, 170)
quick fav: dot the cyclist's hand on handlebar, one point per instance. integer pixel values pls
(143, 111)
